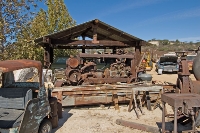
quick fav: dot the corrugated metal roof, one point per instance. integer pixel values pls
(104, 32)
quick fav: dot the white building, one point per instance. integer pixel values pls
(155, 42)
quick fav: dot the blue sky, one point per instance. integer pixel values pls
(146, 19)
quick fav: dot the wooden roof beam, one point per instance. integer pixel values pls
(89, 42)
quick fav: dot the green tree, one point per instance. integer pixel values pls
(13, 14)
(56, 18)
(177, 42)
(59, 19)
(165, 42)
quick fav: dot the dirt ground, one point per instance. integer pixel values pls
(98, 119)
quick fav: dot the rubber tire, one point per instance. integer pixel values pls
(43, 125)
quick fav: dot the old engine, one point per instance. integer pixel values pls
(98, 68)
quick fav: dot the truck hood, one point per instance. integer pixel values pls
(172, 59)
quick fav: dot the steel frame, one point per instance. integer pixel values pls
(187, 102)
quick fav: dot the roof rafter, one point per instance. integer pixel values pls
(106, 35)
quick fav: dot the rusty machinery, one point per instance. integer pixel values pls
(84, 68)
(187, 98)
(184, 83)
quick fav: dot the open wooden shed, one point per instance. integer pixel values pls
(102, 36)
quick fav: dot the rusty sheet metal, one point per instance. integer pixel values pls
(11, 65)
(58, 83)
(176, 100)
(196, 85)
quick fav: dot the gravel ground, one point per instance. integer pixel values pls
(98, 119)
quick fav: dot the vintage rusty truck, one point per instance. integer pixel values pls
(25, 104)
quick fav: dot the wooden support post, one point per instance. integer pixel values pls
(83, 49)
(138, 52)
(136, 60)
(48, 56)
(133, 68)
(163, 117)
(148, 100)
(135, 105)
(51, 55)
(59, 97)
(115, 98)
(140, 102)
(130, 103)
(95, 34)
(114, 50)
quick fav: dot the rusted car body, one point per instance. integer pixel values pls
(24, 104)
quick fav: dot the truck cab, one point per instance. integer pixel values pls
(25, 104)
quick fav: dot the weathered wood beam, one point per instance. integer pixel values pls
(89, 42)
(84, 55)
(87, 47)
(138, 52)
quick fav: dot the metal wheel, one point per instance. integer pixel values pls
(74, 76)
(45, 127)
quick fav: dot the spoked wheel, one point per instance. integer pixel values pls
(74, 76)
(45, 127)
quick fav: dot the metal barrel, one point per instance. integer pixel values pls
(54, 110)
(196, 67)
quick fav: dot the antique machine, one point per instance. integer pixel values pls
(99, 68)
(186, 100)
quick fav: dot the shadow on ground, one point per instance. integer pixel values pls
(66, 115)
(169, 126)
